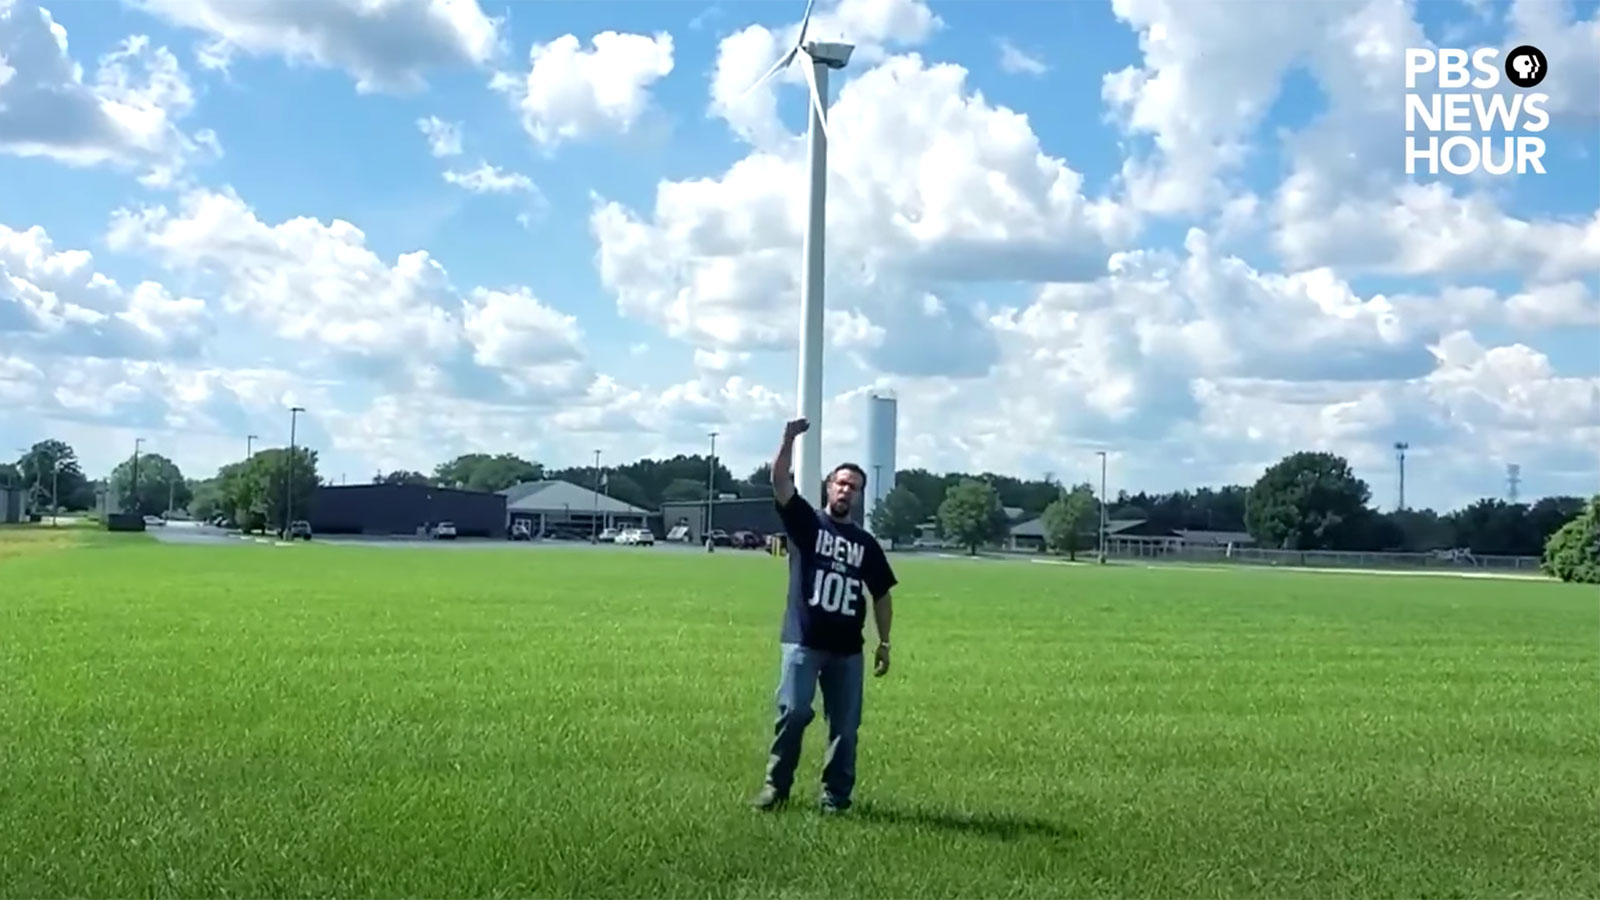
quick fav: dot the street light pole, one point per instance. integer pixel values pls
(55, 491)
(711, 491)
(288, 480)
(1102, 455)
(594, 517)
(138, 508)
(249, 447)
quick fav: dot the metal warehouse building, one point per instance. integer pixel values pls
(405, 509)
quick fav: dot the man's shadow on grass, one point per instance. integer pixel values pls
(990, 825)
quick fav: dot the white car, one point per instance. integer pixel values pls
(609, 535)
(446, 530)
(636, 536)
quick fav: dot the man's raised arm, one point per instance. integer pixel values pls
(782, 476)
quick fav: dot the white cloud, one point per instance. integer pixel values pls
(573, 94)
(1573, 48)
(444, 138)
(1200, 367)
(127, 117)
(386, 46)
(929, 183)
(320, 286)
(487, 179)
(1018, 62)
(1205, 86)
(54, 301)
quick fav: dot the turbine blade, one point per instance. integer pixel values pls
(782, 61)
(805, 21)
(816, 95)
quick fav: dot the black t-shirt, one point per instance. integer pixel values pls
(833, 567)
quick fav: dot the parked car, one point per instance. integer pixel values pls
(609, 535)
(748, 540)
(636, 536)
(444, 531)
(153, 521)
(720, 538)
(521, 531)
(299, 529)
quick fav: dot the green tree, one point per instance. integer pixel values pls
(161, 485)
(681, 489)
(971, 514)
(206, 498)
(1573, 552)
(483, 472)
(897, 515)
(50, 470)
(402, 476)
(268, 496)
(622, 486)
(1064, 518)
(1309, 500)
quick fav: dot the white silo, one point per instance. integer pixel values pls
(880, 465)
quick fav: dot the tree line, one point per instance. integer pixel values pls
(1309, 500)
(1306, 501)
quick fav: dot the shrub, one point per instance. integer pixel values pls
(1573, 552)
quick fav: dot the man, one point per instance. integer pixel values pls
(833, 566)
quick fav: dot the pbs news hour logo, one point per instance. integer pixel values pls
(1457, 119)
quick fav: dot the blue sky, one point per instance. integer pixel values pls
(1180, 232)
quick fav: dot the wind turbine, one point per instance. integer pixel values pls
(821, 57)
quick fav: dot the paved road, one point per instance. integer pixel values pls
(193, 533)
(190, 533)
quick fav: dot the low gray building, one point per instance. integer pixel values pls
(389, 509)
(560, 507)
(13, 505)
(685, 520)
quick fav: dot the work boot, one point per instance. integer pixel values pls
(833, 807)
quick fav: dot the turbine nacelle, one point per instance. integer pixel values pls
(834, 56)
(827, 53)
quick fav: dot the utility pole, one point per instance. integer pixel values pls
(32, 497)
(1513, 481)
(249, 447)
(138, 508)
(55, 487)
(1102, 542)
(711, 490)
(594, 517)
(288, 480)
(1400, 448)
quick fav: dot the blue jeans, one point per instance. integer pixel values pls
(840, 675)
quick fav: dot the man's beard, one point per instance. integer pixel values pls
(839, 509)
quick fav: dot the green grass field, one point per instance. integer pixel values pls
(334, 721)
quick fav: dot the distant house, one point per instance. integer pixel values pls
(554, 506)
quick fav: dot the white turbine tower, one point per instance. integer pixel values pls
(822, 56)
